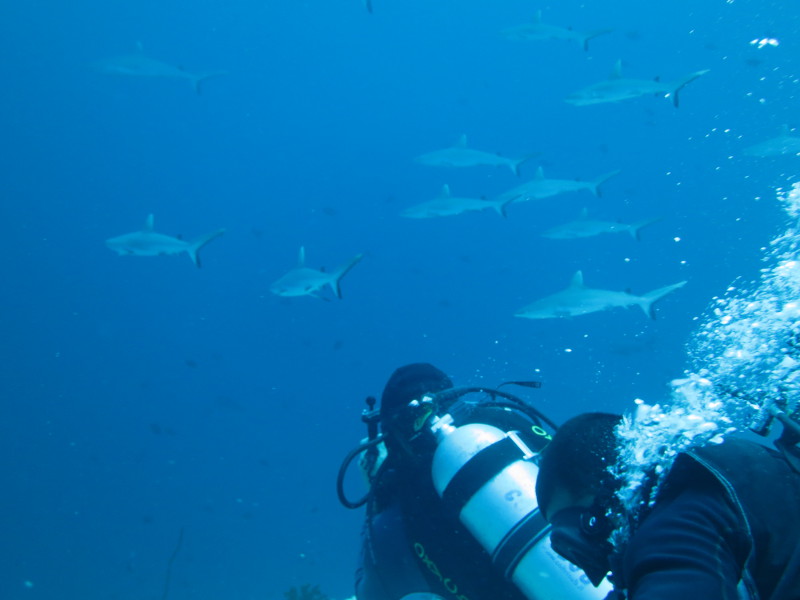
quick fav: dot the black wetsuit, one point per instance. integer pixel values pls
(412, 545)
(727, 516)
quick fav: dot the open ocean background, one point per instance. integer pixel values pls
(142, 396)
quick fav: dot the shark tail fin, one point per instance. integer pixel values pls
(198, 80)
(648, 300)
(679, 85)
(636, 227)
(194, 248)
(591, 35)
(341, 272)
(595, 185)
(521, 161)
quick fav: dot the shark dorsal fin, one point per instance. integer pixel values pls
(148, 224)
(445, 192)
(584, 213)
(539, 173)
(537, 18)
(617, 72)
(301, 257)
(461, 142)
(577, 280)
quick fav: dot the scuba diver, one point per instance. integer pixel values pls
(451, 512)
(723, 524)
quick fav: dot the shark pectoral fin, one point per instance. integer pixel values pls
(591, 35)
(341, 272)
(502, 205)
(197, 80)
(636, 227)
(679, 85)
(594, 186)
(647, 301)
(521, 161)
(194, 247)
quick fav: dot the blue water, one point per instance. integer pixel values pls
(142, 396)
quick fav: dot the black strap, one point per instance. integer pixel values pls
(528, 532)
(788, 442)
(478, 471)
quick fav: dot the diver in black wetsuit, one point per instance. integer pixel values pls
(410, 543)
(414, 540)
(725, 521)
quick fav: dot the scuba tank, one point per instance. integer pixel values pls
(488, 478)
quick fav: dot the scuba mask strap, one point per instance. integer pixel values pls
(789, 441)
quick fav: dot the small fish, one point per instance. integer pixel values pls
(615, 88)
(149, 243)
(539, 187)
(784, 144)
(139, 65)
(577, 299)
(304, 281)
(459, 155)
(447, 206)
(538, 31)
(586, 227)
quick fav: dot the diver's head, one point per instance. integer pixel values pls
(574, 490)
(405, 410)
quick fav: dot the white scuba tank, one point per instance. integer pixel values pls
(500, 509)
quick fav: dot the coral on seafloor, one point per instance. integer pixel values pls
(305, 592)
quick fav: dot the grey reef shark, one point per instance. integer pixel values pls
(540, 187)
(148, 242)
(617, 88)
(584, 227)
(460, 155)
(577, 299)
(446, 205)
(538, 31)
(139, 65)
(784, 144)
(305, 281)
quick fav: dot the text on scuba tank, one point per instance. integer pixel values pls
(448, 583)
(540, 431)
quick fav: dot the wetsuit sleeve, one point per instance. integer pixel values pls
(692, 545)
